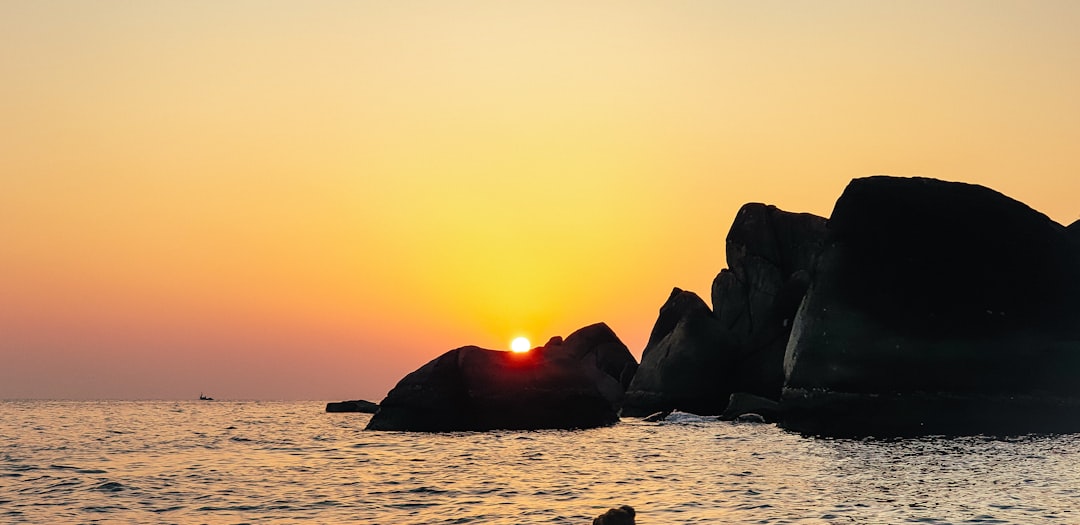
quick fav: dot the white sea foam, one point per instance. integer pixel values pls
(679, 417)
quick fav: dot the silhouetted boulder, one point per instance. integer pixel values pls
(697, 357)
(358, 405)
(937, 307)
(624, 515)
(563, 385)
(597, 344)
(682, 364)
(769, 253)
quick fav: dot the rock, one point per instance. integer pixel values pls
(358, 405)
(697, 357)
(555, 386)
(598, 345)
(741, 404)
(657, 416)
(936, 308)
(682, 364)
(750, 417)
(624, 515)
(432, 398)
(769, 253)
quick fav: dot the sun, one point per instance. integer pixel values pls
(520, 345)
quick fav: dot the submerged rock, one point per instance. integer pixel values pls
(566, 384)
(742, 404)
(937, 307)
(623, 515)
(358, 405)
(750, 417)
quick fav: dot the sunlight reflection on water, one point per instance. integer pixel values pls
(198, 462)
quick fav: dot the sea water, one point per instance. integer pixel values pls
(285, 462)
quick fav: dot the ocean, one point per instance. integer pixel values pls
(290, 462)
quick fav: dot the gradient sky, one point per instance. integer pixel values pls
(307, 200)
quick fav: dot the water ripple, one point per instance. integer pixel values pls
(293, 463)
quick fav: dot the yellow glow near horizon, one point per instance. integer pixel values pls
(207, 193)
(520, 345)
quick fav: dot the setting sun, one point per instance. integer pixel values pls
(520, 344)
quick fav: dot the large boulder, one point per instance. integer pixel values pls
(683, 363)
(598, 345)
(936, 307)
(769, 254)
(697, 357)
(564, 384)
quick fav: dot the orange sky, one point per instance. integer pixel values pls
(307, 200)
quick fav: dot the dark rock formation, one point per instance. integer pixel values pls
(358, 405)
(569, 384)
(696, 358)
(769, 253)
(624, 515)
(683, 361)
(742, 404)
(598, 345)
(937, 307)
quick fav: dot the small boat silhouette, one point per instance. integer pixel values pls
(204, 398)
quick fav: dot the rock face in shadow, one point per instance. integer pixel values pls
(769, 253)
(598, 345)
(742, 404)
(565, 384)
(697, 357)
(937, 307)
(358, 405)
(683, 363)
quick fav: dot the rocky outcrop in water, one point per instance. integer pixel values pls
(597, 345)
(624, 515)
(683, 363)
(358, 405)
(742, 404)
(697, 357)
(919, 307)
(769, 253)
(937, 307)
(571, 383)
